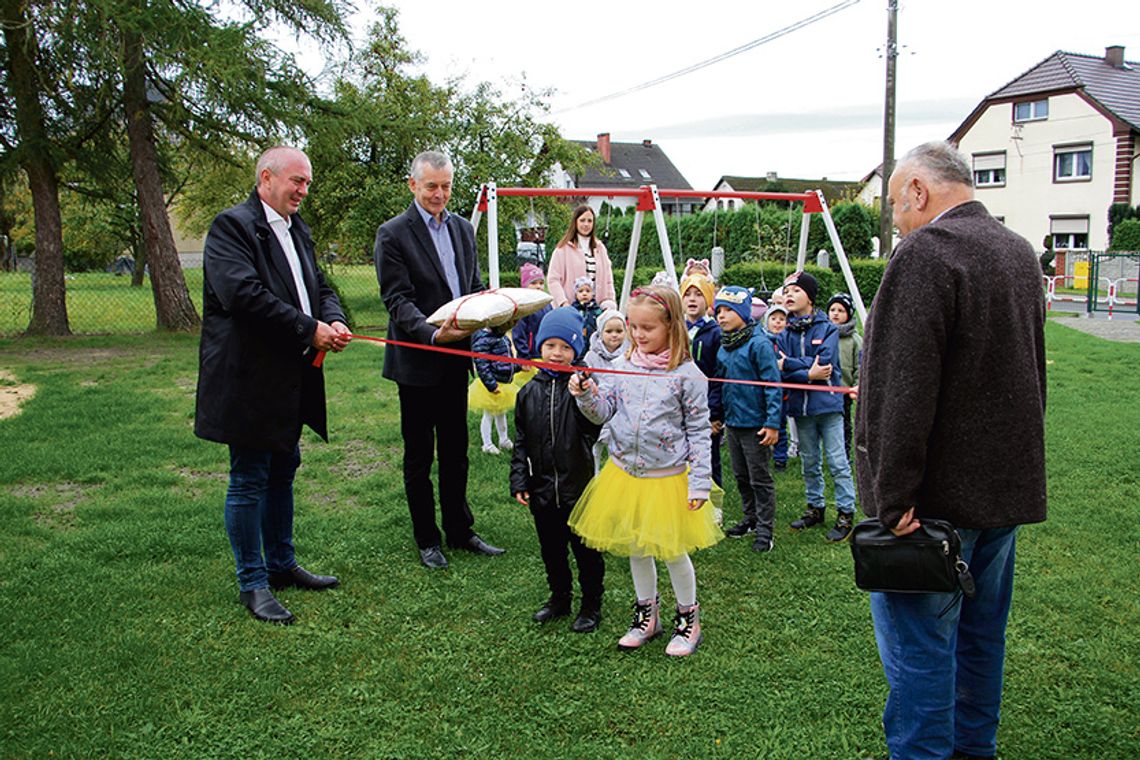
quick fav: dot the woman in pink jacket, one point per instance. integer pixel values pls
(580, 253)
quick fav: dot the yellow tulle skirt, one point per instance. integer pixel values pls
(478, 397)
(624, 515)
(524, 375)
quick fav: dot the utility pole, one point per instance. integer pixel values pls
(892, 53)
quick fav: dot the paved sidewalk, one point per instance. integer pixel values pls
(1122, 328)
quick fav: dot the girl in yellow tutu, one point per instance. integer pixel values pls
(492, 390)
(649, 499)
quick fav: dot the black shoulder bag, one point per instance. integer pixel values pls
(928, 561)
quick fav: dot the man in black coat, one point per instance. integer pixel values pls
(424, 258)
(267, 310)
(950, 425)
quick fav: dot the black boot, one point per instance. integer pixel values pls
(811, 516)
(589, 615)
(555, 607)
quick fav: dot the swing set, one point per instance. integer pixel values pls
(649, 200)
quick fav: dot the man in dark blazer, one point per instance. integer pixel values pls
(951, 425)
(425, 257)
(267, 309)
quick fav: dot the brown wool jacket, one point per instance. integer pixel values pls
(952, 390)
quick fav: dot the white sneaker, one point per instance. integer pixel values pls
(489, 448)
(506, 445)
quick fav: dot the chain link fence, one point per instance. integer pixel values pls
(107, 303)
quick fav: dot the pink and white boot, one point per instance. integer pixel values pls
(645, 627)
(688, 632)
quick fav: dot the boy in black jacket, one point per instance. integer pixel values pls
(552, 463)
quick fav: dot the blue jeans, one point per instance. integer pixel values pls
(259, 513)
(945, 673)
(825, 429)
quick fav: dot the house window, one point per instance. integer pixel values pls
(644, 174)
(731, 204)
(1072, 163)
(1031, 110)
(623, 173)
(1069, 232)
(989, 169)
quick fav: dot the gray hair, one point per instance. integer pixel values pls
(274, 160)
(942, 161)
(432, 158)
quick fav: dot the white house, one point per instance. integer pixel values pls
(833, 190)
(1054, 148)
(629, 165)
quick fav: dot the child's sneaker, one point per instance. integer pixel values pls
(646, 625)
(489, 448)
(811, 516)
(506, 444)
(741, 529)
(842, 528)
(687, 637)
(763, 544)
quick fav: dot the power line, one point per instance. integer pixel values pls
(718, 58)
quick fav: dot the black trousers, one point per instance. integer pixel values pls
(435, 419)
(553, 537)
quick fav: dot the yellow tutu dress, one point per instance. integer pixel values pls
(524, 376)
(626, 515)
(478, 397)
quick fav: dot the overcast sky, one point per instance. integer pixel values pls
(806, 105)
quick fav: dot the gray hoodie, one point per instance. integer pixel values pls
(600, 356)
(658, 425)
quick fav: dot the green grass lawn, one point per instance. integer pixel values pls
(120, 635)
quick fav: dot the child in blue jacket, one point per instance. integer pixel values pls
(492, 391)
(751, 412)
(809, 353)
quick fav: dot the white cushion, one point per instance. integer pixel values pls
(490, 308)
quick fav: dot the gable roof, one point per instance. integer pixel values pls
(833, 190)
(1115, 90)
(633, 157)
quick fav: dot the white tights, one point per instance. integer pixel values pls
(500, 424)
(681, 575)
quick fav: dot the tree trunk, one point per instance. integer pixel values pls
(172, 304)
(49, 296)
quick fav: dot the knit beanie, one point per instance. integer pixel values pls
(529, 274)
(804, 282)
(605, 317)
(564, 323)
(845, 301)
(701, 282)
(736, 298)
(583, 280)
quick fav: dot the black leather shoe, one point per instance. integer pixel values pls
(264, 606)
(555, 607)
(589, 615)
(302, 578)
(478, 545)
(433, 558)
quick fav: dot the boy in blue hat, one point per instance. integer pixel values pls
(751, 412)
(552, 463)
(809, 354)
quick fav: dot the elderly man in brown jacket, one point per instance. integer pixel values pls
(950, 425)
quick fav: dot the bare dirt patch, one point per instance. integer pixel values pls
(362, 458)
(13, 394)
(61, 500)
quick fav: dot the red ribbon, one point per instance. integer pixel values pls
(320, 358)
